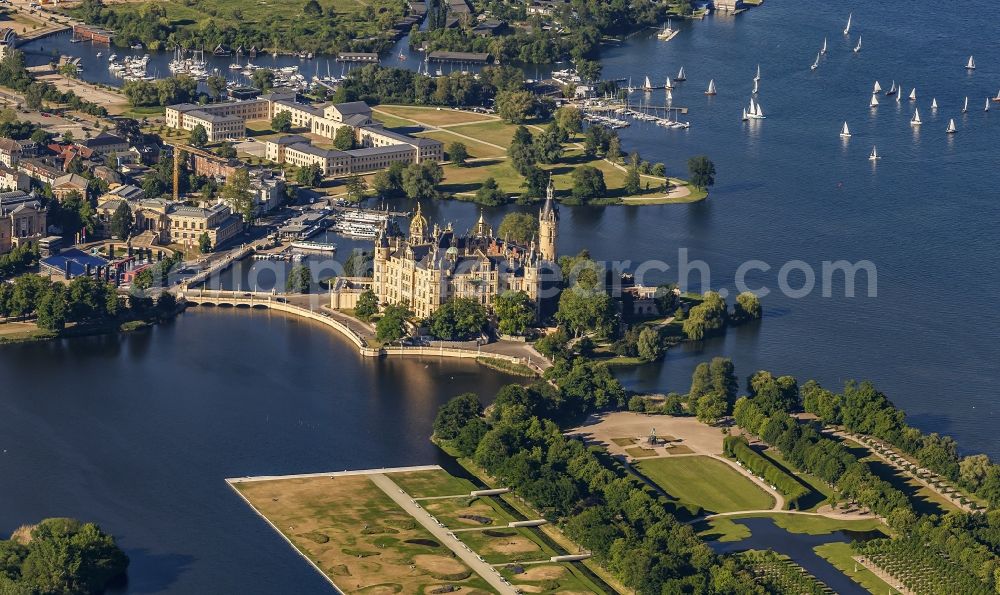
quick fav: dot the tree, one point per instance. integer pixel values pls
(282, 122)
(392, 326)
(584, 311)
(588, 184)
(710, 408)
(632, 181)
(489, 194)
(238, 194)
(166, 304)
(420, 180)
(522, 151)
(343, 139)
(263, 79)
(569, 119)
(702, 171)
(356, 187)
(204, 243)
(367, 305)
(515, 312)
(614, 152)
(310, 175)
(457, 153)
(458, 318)
(515, 106)
(707, 318)
(226, 150)
(358, 264)
(518, 227)
(51, 309)
(198, 137)
(589, 70)
(66, 556)
(121, 222)
(33, 96)
(216, 85)
(299, 279)
(456, 414)
(389, 182)
(312, 9)
(747, 307)
(536, 182)
(649, 346)
(549, 145)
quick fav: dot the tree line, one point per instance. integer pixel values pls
(14, 74)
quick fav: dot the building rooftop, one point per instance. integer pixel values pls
(213, 118)
(353, 107)
(77, 261)
(102, 140)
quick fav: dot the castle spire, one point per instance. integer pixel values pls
(548, 225)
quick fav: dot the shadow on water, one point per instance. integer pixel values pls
(766, 535)
(160, 571)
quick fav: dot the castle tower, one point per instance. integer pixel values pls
(482, 228)
(418, 227)
(548, 225)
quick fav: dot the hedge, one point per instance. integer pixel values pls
(737, 447)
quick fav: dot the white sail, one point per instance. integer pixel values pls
(934, 103)
(757, 76)
(899, 94)
(874, 156)
(951, 126)
(971, 64)
(711, 87)
(913, 94)
(874, 101)
(823, 51)
(965, 107)
(745, 118)
(759, 112)
(647, 84)
(916, 117)
(845, 131)
(755, 87)
(987, 105)
(847, 29)
(877, 88)
(680, 74)
(857, 48)
(752, 106)
(815, 64)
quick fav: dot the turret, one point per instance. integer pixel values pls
(418, 227)
(548, 225)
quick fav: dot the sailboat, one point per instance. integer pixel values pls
(934, 103)
(756, 86)
(892, 90)
(965, 107)
(757, 76)
(668, 85)
(667, 33)
(847, 29)
(874, 156)
(670, 96)
(745, 117)
(997, 98)
(815, 64)
(913, 94)
(874, 101)
(951, 127)
(711, 88)
(647, 86)
(987, 105)
(916, 117)
(680, 75)
(759, 113)
(877, 88)
(755, 112)
(857, 48)
(971, 64)
(823, 50)
(845, 132)
(899, 94)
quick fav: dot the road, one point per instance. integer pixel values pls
(441, 534)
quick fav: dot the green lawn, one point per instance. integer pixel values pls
(430, 483)
(705, 482)
(437, 116)
(840, 555)
(498, 546)
(923, 499)
(493, 131)
(476, 150)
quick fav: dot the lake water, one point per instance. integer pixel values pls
(137, 432)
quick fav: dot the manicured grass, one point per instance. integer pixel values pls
(705, 482)
(640, 453)
(623, 441)
(390, 121)
(493, 131)
(840, 555)
(431, 483)
(476, 150)
(349, 527)
(498, 546)
(451, 511)
(433, 115)
(471, 177)
(679, 449)
(821, 490)
(548, 578)
(722, 529)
